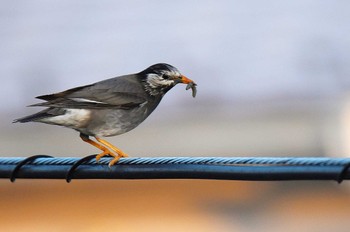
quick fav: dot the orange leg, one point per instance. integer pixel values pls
(115, 149)
(105, 150)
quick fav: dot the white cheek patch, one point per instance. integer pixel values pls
(155, 81)
(73, 118)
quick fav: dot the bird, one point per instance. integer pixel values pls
(109, 107)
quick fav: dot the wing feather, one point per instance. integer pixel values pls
(123, 92)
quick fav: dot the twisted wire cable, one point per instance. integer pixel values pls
(224, 168)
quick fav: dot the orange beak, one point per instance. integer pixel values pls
(190, 85)
(186, 80)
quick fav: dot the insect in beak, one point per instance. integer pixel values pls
(192, 86)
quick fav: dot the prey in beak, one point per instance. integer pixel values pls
(190, 85)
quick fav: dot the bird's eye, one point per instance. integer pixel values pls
(165, 76)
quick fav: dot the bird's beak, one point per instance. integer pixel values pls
(186, 80)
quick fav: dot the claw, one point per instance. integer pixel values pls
(114, 161)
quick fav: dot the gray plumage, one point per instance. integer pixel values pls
(109, 107)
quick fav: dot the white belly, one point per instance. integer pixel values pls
(74, 118)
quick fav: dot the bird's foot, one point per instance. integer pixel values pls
(115, 159)
(104, 153)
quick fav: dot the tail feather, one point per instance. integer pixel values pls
(50, 112)
(33, 117)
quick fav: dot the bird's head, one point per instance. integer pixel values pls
(160, 78)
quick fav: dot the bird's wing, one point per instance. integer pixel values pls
(123, 92)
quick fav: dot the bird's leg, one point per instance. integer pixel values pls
(105, 150)
(115, 149)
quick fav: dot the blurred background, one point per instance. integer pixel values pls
(273, 80)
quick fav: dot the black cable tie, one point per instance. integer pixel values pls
(343, 172)
(24, 162)
(70, 173)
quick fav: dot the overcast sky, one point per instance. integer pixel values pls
(234, 50)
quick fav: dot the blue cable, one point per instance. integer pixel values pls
(224, 168)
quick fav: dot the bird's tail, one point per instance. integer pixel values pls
(34, 117)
